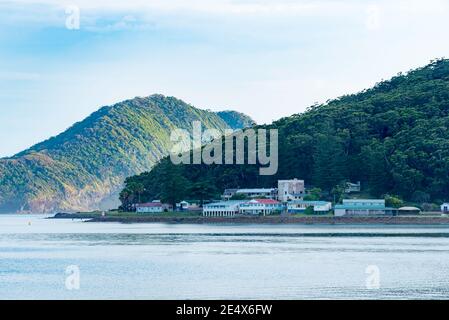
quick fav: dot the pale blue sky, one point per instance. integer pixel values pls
(268, 59)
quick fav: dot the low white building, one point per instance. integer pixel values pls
(260, 207)
(299, 206)
(222, 209)
(445, 208)
(152, 207)
(362, 207)
(251, 193)
(269, 193)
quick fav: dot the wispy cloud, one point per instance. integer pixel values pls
(19, 76)
(33, 10)
(135, 13)
(207, 6)
(268, 58)
(239, 6)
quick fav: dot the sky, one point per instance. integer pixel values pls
(266, 58)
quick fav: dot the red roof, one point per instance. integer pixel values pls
(266, 201)
(149, 205)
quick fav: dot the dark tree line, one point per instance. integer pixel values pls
(394, 138)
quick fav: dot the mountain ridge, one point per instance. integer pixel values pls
(393, 137)
(77, 169)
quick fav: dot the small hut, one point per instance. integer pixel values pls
(409, 211)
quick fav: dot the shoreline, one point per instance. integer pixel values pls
(274, 220)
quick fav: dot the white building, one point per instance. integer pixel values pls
(270, 193)
(445, 208)
(290, 190)
(353, 187)
(222, 209)
(152, 207)
(362, 207)
(228, 194)
(260, 207)
(183, 206)
(299, 206)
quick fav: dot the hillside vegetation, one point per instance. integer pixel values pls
(84, 167)
(394, 138)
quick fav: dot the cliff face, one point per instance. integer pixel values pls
(84, 167)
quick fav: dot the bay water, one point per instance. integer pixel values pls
(44, 258)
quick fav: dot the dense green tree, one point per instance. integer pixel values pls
(338, 192)
(239, 196)
(203, 189)
(393, 201)
(420, 197)
(394, 138)
(329, 162)
(309, 211)
(377, 168)
(174, 185)
(313, 194)
(79, 168)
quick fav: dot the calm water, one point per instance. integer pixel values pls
(159, 261)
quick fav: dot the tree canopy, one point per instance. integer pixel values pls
(394, 138)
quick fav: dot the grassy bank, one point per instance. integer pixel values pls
(119, 214)
(196, 218)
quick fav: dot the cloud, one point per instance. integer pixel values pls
(239, 7)
(373, 17)
(216, 6)
(112, 15)
(194, 7)
(19, 76)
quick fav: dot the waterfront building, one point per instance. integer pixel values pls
(289, 190)
(300, 206)
(151, 207)
(260, 207)
(362, 207)
(254, 193)
(222, 209)
(445, 207)
(269, 193)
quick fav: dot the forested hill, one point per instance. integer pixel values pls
(236, 120)
(394, 138)
(84, 167)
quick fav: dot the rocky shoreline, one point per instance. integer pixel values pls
(398, 220)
